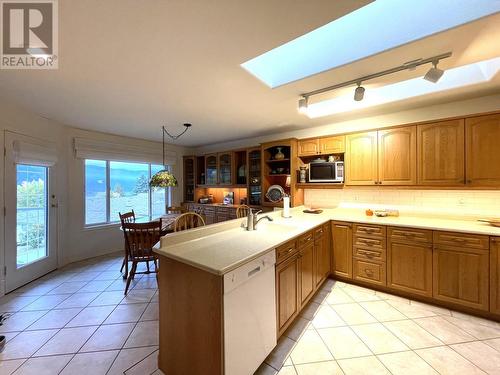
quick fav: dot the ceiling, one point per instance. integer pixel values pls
(128, 67)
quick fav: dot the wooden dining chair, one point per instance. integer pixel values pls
(188, 220)
(140, 239)
(127, 217)
(242, 211)
(175, 210)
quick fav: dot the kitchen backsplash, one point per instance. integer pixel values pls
(474, 203)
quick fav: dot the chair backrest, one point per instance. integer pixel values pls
(188, 220)
(175, 210)
(141, 237)
(127, 217)
(242, 211)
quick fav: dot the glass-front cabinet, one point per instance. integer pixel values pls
(254, 177)
(225, 168)
(211, 169)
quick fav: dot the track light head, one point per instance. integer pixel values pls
(359, 93)
(302, 105)
(434, 74)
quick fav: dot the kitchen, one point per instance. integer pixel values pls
(254, 188)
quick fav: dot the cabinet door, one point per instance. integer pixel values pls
(308, 147)
(495, 275)
(361, 159)
(332, 145)
(397, 156)
(211, 169)
(225, 161)
(306, 273)
(318, 260)
(287, 294)
(342, 249)
(460, 276)
(441, 153)
(409, 267)
(482, 135)
(326, 252)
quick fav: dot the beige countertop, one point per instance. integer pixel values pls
(223, 247)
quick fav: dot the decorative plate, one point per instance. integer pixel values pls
(275, 193)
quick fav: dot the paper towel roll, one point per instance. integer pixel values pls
(286, 206)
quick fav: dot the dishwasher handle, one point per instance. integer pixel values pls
(254, 271)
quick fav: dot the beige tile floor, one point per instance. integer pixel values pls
(77, 321)
(347, 329)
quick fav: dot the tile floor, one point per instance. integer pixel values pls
(76, 320)
(347, 329)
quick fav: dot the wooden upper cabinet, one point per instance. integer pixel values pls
(440, 153)
(482, 137)
(342, 249)
(361, 159)
(308, 147)
(332, 145)
(495, 275)
(397, 157)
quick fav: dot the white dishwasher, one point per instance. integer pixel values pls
(249, 315)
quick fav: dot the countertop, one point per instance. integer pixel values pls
(223, 247)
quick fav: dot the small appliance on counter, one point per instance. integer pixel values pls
(206, 199)
(325, 171)
(228, 197)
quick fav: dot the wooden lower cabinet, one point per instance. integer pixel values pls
(322, 253)
(342, 249)
(460, 276)
(495, 275)
(409, 267)
(307, 273)
(287, 292)
(303, 263)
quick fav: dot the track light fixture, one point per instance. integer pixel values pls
(432, 75)
(359, 93)
(303, 105)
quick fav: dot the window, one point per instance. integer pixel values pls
(112, 187)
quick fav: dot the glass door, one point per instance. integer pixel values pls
(30, 235)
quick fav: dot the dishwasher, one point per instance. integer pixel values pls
(249, 315)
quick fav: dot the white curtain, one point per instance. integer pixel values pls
(103, 150)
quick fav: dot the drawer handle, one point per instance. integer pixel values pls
(369, 255)
(368, 272)
(367, 230)
(289, 250)
(459, 239)
(369, 242)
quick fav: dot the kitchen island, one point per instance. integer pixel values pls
(196, 264)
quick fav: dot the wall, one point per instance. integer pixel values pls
(462, 203)
(74, 241)
(458, 108)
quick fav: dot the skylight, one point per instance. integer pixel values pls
(374, 28)
(461, 76)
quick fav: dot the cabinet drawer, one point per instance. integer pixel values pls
(286, 250)
(374, 244)
(306, 238)
(378, 255)
(409, 234)
(369, 230)
(472, 241)
(369, 271)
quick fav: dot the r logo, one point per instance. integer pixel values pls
(28, 30)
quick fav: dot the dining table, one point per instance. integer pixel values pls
(167, 226)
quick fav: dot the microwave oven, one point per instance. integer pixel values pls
(326, 171)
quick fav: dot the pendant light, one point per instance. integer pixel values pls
(165, 178)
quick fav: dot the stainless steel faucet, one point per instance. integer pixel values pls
(252, 220)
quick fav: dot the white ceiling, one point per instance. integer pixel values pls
(128, 67)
